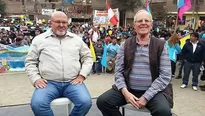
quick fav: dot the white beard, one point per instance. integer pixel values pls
(60, 33)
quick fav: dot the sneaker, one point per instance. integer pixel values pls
(183, 86)
(194, 88)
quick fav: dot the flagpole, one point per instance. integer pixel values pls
(176, 22)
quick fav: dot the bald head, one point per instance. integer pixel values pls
(143, 11)
(59, 23)
(58, 14)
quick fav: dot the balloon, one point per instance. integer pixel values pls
(43, 20)
(22, 16)
(110, 32)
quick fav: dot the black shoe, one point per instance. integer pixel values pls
(178, 77)
(202, 87)
(94, 72)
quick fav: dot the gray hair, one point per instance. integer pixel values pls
(142, 10)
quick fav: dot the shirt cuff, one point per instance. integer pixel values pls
(120, 86)
(34, 79)
(147, 96)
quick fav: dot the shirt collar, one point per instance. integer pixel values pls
(145, 44)
(194, 43)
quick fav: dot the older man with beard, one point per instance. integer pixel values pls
(143, 73)
(57, 64)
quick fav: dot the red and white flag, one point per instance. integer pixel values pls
(111, 15)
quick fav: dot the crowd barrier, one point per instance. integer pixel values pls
(12, 59)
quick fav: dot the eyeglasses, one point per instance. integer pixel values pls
(59, 22)
(140, 21)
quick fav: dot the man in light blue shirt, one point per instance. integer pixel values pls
(112, 50)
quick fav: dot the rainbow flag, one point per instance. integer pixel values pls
(92, 50)
(183, 6)
(147, 7)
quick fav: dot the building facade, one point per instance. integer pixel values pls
(82, 10)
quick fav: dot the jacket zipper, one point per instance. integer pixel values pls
(62, 60)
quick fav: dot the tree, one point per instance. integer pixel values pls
(2, 7)
(127, 5)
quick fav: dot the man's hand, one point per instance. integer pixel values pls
(79, 79)
(130, 98)
(142, 102)
(40, 83)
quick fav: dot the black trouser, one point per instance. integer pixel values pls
(195, 68)
(109, 101)
(173, 67)
(181, 65)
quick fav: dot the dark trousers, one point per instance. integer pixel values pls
(97, 66)
(173, 67)
(195, 68)
(181, 65)
(109, 101)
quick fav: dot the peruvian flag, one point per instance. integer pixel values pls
(111, 15)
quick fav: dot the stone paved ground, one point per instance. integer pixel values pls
(16, 89)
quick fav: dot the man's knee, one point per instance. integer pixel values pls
(99, 102)
(37, 104)
(84, 103)
(162, 111)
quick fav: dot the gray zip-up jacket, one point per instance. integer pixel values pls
(57, 59)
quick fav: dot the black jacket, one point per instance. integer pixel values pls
(197, 56)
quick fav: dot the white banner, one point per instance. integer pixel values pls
(6, 28)
(48, 12)
(101, 18)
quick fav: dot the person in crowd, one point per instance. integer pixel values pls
(85, 35)
(57, 64)
(80, 32)
(193, 55)
(180, 59)
(25, 42)
(99, 53)
(18, 43)
(107, 40)
(174, 49)
(112, 50)
(94, 34)
(143, 73)
(5, 40)
(37, 32)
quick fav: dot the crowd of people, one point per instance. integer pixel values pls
(111, 37)
(143, 59)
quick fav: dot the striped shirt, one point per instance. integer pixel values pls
(159, 84)
(140, 76)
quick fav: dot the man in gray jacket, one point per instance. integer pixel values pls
(57, 64)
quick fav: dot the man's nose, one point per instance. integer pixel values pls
(61, 24)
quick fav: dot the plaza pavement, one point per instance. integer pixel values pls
(16, 91)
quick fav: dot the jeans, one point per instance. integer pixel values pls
(108, 102)
(195, 67)
(78, 94)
